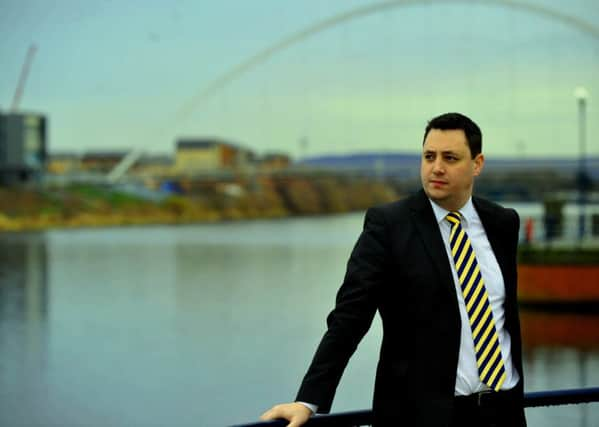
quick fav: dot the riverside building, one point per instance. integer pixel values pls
(23, 147)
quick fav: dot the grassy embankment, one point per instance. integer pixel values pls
(95, 206)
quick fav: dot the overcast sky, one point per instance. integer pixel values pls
(128, 74)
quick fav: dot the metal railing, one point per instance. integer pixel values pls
(364, 417)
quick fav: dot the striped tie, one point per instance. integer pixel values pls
(486, 341)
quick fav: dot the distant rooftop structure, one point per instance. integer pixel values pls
(193, 143)
(200, 155)
(63, 155)
(63, 162)
(23, 147)
(155, 159)
(104, 154)
(102, 161)
(274, 161)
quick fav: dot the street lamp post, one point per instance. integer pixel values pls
(581, 94)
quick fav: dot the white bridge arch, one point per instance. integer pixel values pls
(241, 68)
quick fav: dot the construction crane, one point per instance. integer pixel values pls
(23, 78)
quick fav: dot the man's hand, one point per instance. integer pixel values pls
(296, 413)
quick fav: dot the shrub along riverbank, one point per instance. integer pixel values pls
(98, 206)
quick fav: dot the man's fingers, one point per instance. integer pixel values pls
(268, 415)
(297, 414)
(273, 413)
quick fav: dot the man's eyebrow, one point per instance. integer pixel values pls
(453, 153)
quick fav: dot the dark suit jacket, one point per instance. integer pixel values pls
(399, 267)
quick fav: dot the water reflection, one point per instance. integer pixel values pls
(23, 320)
(561, 350)
(23, 278)
(176, 326)
(570, 330)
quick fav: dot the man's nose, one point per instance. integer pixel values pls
(438, 167)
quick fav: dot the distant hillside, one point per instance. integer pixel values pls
(407, 165)
(397, 164)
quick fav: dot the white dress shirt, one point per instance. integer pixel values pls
(467, 379)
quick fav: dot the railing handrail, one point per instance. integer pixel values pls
(533, 399)
(571, 396)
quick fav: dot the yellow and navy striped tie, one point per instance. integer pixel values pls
(486, 341)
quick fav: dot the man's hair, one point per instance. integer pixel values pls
(457, 121)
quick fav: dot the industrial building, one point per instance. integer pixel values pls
(23, 147)
(206, 155)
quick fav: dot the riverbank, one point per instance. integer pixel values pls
(27, 209)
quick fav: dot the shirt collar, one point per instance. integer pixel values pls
(467, 211)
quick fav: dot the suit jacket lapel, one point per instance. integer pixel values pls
(428, 228)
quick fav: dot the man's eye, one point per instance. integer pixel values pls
(428, 156)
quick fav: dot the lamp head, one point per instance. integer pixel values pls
(581, 93)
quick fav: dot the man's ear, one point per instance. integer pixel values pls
(479, 163)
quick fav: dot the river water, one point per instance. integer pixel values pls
(207, 325)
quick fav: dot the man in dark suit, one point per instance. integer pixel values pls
(440, 268)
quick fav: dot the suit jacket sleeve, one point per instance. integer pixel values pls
(356, 304)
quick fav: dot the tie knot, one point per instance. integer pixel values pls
(454, 217)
